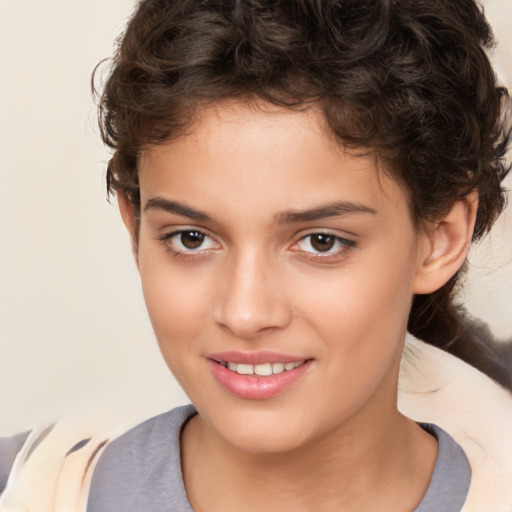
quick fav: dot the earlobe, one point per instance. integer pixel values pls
(446, 246)
(131, 222)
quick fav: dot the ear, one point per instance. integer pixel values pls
(131, 222)
(446, 246)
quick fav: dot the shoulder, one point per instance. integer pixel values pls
(142, 467)
(147, 438)
(52, 467)
(436, 387)
(449, 485)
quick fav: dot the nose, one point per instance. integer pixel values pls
(251, 298)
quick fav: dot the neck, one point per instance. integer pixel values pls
(355, 467)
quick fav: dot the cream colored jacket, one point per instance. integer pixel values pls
(439, 388)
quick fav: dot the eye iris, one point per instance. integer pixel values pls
(192, 239)
(322, 243)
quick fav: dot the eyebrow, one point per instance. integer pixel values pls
(160, 203)
(336, 209)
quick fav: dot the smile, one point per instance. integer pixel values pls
(257, 376)
(262, 370)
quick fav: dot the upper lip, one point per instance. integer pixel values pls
(255, 358)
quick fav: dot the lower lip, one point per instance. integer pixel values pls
(254, 387)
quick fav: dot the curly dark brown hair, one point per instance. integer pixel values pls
(408, 80)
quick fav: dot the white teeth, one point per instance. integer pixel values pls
(245, 369)
(278, 368)
(263, 370)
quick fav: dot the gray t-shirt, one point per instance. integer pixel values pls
(141, 470)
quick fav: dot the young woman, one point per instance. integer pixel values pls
(302, 182)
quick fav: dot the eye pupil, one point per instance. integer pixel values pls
(192, 239)
(322, 243)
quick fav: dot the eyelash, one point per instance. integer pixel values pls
(344, 245)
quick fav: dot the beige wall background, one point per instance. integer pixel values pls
(73, 329)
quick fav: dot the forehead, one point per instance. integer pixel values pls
(263, 156)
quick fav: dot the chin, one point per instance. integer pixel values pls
(265, 442)
(260, 431)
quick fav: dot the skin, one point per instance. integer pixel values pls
(258, 283)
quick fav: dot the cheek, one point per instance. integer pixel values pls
(361, 310)
(362, 327)
(176, 301)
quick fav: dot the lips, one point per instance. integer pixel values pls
(257, 376)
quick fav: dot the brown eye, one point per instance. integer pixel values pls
(192, 239)
(323, 245)
(322, 242)
(189, 242)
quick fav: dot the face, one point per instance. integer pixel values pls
(278, 271)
